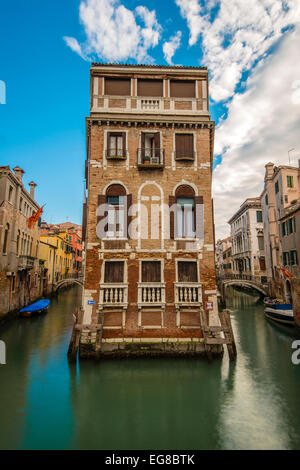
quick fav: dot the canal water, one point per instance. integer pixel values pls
(149, 404)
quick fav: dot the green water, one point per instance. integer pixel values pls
(149, 404)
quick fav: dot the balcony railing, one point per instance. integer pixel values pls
(115, 154)
(263, 280)
(151, 293)
(188, 293)
(189, 156)
(114, 294)
(147, 104)
(150, 158)
(26, 262)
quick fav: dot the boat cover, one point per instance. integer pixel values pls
(39, 305)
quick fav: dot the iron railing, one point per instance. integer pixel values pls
(150, 157)
(115, 153)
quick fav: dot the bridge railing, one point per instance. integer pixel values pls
(259, 280)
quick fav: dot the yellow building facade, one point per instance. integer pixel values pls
(57, 253)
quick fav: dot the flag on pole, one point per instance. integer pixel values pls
(35, 217)
(287, 273)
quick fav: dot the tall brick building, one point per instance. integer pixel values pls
(148, 218)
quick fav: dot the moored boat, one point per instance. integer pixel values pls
(282, 313)
(34, 309)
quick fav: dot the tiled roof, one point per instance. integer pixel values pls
(150, 66)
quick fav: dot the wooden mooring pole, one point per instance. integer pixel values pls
(212, 334)
(75, 338)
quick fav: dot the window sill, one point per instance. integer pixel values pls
(185, 239)
(116, 158)
(113, 239)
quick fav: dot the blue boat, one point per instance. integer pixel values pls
(282, 313)
(38, 307)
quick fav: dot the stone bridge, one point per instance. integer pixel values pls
(67, 281)
(252, 282)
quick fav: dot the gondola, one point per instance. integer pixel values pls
(38, 307)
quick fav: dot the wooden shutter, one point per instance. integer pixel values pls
(157, 144)
(114, 271)
(150, 87)
(198, 201)
(187, 271)
(124, 144)
(129, 217)
(101, 201)
(143, 146)
(117, 86)
(151, 271)
(184, 145)
(182, 89)
(172, 201)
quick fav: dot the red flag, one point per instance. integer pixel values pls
(287, 273)
(35, 217)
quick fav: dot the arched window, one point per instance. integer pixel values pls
(183, 221)
(114, 207)
(185, 199)
(5, 240)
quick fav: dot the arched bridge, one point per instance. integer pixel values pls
(248, 281)
(67, 281)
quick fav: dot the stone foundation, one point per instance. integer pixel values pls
(148, 347)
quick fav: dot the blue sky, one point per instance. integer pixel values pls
(46, 50)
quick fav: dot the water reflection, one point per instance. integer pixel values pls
(45, 403)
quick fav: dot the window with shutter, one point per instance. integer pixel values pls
(151, 271)
(150, 151)
(116, 211)
(116, 145)
(114, 272)
(149, 87)
(118, 86)
(182, 89)
(184, 147)
(187, 271)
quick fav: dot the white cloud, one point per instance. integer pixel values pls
(262, 125)
(113, 32)
(170, 47)
(74, 45)
(238, 37)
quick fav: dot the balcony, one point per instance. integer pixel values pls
(26, 262)
(188, 156)
(116, 154)
(151, 294)
(149, 105)
(188, 294)
(150, 158)
(112, 295)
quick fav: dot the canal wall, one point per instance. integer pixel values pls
(295, 285)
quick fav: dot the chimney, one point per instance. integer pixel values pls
(19, 173)
(32, 188)
(269, 171)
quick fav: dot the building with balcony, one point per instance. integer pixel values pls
(248, 258)
(21, 275)
(148, 217)
(279, 202)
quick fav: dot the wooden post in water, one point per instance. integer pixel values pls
(228, 333)
(75, 338)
